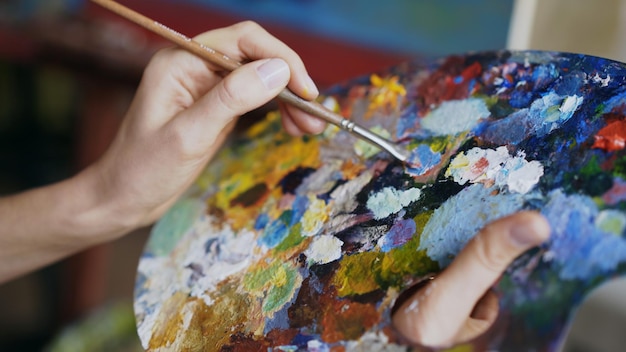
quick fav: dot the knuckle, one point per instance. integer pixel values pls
(162, 57)
(489, 254)
(161, 63)
(247, 26)
(229, 97)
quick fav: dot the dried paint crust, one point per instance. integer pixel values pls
(288, 244)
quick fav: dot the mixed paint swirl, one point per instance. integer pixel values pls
(304, 244)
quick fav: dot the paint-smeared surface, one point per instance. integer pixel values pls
(288, 244)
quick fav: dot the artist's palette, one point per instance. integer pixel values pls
(288, 244)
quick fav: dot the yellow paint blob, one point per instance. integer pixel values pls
(386, 92)
(354, 276)
(315, 216)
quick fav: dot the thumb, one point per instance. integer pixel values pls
(241, 91)
(447, 302)
(247, 88)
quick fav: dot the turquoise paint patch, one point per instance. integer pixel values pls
(173, 225)
(455, 116)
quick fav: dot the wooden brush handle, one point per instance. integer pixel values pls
(215, 57)
(219, 59)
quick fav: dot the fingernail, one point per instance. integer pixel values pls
(310, 89)
(528, 232)
(274, 73)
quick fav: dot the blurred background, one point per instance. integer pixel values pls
(68, 70)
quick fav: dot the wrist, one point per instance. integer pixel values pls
(43, 225)
(97, 215)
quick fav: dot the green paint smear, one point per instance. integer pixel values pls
(460, 348)
(173, 225)
(276, 283)
(405, 262)
(556, 298)
(362, 273)
(293, 239)
(438, 144)
(354, 275)
(590, 179)
(367, 150)
(402, 263)
(620, 167)
(591, 168)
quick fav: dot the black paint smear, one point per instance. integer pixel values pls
(294, 179)
(433, 196)
(363, 237)
(325, 271)
(372, 297)
(250, 196)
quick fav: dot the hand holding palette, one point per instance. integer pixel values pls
(287, 244)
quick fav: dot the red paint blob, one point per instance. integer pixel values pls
(612, 137)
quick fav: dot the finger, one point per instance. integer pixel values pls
(288, 125)
(436, 314)
(491, 251)
(486, 307)
(303, 122)
(484, 314)
(172, 81)
(249, 41)
(245, 89)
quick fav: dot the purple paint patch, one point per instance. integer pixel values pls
(401, 232)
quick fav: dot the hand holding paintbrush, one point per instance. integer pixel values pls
(229, 64)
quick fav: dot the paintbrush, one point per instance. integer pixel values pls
(217, 58)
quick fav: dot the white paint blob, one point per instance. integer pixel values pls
(390, 200)
(324, 249)
(496, 167)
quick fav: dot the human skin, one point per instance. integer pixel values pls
(183, 110)
(458, 303)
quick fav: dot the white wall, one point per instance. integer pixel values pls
(594, 27)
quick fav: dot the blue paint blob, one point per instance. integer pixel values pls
(581, 249)
(299, 207)
(261, 221)
(422, 159)
(570, 84)
(543, 76)
(616, 104)
(274, 234)
(546, 114)
(460, 217)
(407, 121)
(521, 98)
(512, 129)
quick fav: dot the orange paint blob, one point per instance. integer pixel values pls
(612, 137)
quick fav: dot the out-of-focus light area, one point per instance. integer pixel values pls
(68, 71)
(419, 27)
